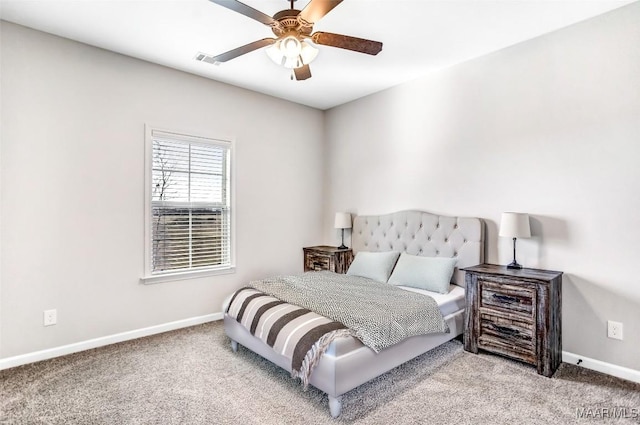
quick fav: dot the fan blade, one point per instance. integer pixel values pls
(239, 51)
(316, 9)
(245, 10)
(347, 42)
(302, 73)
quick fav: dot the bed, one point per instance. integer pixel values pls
(347, 363)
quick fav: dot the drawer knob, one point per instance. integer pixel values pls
(505, 298)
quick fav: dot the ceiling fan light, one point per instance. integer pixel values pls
(275, 54)
(291, 63)
(290, 47)
(308, 53)
(282, 52)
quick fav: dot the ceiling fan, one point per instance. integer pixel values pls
(292, 28)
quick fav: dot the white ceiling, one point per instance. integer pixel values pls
(419, 36)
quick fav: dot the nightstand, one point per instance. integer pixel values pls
(327, 258)
(515, 313)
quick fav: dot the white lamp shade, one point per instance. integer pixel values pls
(343, 221)
(515, 225)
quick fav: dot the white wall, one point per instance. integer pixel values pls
(550, 127)
(72, 192)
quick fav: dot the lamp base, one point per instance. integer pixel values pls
(342, 246)
(514, 265)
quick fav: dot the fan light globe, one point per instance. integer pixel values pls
(308, 53)
(274, 54)
(290, 47)
(291, 52)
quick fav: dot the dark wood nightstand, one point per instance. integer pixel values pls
(515, 313)
(327, 258)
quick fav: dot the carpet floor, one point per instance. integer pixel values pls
(191, 376)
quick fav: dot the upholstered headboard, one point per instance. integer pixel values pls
(422, 233)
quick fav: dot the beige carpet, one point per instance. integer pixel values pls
(191, 376)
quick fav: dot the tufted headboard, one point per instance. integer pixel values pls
(422, 233)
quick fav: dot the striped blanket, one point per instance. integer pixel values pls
(299, 316)
(296, 333)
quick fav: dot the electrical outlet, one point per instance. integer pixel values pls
(50, 317)
(614, 330)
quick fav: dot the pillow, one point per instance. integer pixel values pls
(430, 273)
(373, 265)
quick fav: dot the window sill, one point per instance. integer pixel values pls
(172, 277)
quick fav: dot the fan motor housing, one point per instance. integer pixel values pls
(289, 22)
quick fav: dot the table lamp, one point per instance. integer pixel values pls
(343, 221)
(515, 225)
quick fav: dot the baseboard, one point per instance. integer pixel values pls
(600, 366)
(63, 350)
(36, 356)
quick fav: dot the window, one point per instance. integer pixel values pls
(189, 204)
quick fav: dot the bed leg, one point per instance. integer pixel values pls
(335, 405)
(234, 346)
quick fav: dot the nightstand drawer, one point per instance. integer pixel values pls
(506, 333)
(500, 346)
(317, 262)
(506, 297)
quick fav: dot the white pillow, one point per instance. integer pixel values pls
(373, 265)
(430, 273)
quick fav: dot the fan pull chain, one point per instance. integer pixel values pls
(292, 75)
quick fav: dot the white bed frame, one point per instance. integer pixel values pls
(347, 363)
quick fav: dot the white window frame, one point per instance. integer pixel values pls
(149, 277)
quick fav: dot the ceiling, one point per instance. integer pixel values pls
(419, 36)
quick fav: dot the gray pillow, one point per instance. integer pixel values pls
(430, 273)
(373, 265)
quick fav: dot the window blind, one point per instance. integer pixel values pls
(190, 203)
